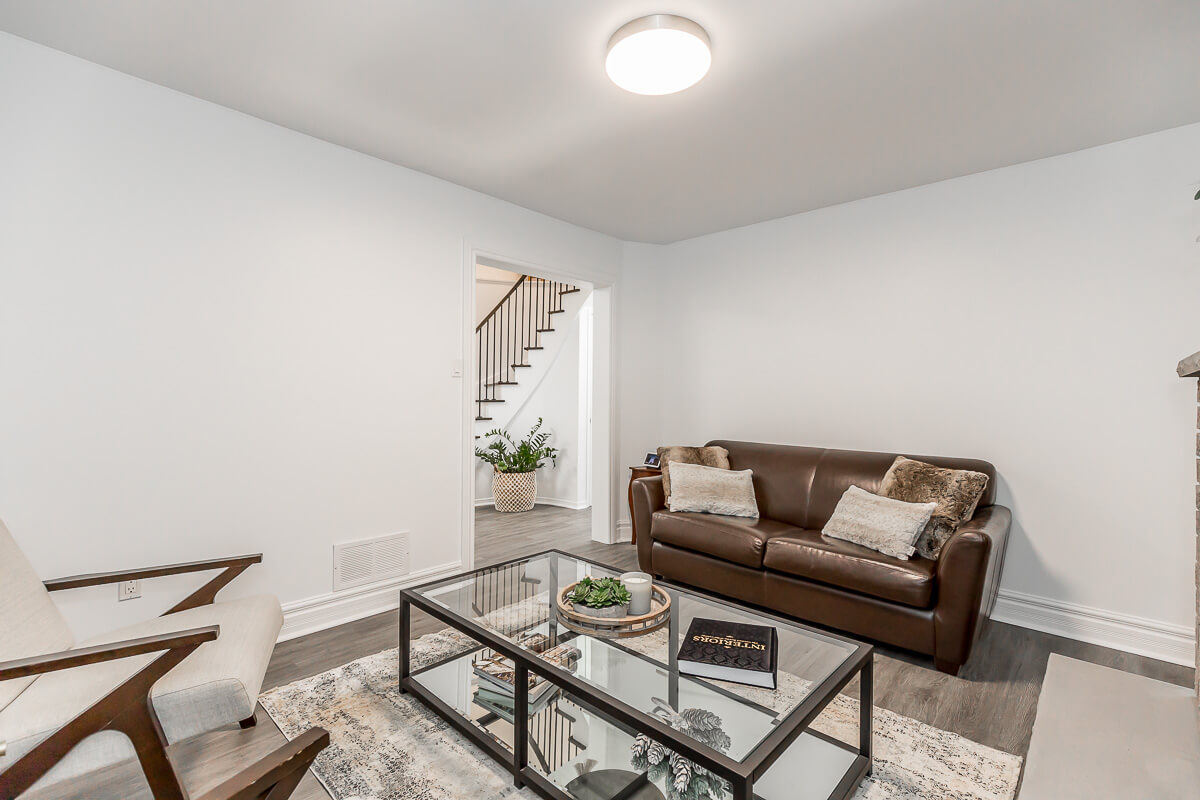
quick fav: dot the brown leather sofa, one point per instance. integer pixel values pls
(782, 562)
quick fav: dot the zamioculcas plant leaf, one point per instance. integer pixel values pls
(525, 456)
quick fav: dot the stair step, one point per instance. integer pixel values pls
(545, 330)
(502, 383)
(519, 366)
(483, 419)
(567, 291)
(557, 310)
(488, 400)
(535, 348)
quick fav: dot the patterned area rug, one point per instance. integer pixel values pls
(388, 746)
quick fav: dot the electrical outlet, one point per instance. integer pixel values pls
(129, 590)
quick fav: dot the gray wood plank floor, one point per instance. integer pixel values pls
(992, 702)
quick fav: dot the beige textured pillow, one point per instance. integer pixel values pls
(956, 492)
(712, 491)
(708, 456)
(880, 523)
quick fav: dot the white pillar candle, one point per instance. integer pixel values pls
(639, 585)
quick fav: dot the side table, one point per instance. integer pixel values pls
(641, 471)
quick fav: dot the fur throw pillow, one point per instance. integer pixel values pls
(704, 456)
(956, 492)
(881, 523)
(714, 491)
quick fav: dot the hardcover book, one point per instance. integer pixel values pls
(730, 651)
(498, 672)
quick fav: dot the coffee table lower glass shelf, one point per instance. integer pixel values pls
(572, 731)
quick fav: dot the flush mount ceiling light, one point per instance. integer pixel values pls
(658, 54)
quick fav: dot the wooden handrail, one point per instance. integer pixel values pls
(496, 307)
(510, 331)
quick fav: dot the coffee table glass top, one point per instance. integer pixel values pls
(516, 600)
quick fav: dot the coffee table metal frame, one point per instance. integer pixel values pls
(741, 774)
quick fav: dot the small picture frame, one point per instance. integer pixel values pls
(652, 460)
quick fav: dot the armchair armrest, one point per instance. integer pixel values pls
(67, 659)
(101, 578)
(232, 567)
(275, 775)
(126, 708)
(648, 497)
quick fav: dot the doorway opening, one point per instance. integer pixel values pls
(533, 358)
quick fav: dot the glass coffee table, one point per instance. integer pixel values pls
(592, 718)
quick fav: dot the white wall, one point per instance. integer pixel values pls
(557, 400)
(1031, 316)
(206, 325)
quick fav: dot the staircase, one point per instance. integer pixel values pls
(509, 336)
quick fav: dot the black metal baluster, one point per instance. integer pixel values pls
(521, 324)
(534, 288)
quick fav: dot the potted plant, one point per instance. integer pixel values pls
(600, 597)
(514, 465)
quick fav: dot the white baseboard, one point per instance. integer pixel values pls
(301, 617)
(1144, 637)
(624, 532)
(576, 505)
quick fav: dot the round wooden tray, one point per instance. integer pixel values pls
(616, 627)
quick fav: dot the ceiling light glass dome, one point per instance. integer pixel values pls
(658, 54)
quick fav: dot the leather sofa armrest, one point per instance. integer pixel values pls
(993, 523)
(648, 497)
(968, 577)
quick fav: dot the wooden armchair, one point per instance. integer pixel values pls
(68, 709)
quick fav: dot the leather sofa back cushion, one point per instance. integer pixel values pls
(802, 485)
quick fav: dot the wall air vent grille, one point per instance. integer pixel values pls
(369, 560)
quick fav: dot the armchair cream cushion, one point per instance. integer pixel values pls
(30, 623)
(216, 686)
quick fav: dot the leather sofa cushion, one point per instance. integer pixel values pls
(808, 554)
(741, 540)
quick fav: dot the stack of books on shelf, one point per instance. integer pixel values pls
(497, 675)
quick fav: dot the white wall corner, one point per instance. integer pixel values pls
(624, 532)
(1144, 637)
(312, 614)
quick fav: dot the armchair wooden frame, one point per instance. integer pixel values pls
(128, 709)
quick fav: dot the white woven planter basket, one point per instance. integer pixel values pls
(514, 491)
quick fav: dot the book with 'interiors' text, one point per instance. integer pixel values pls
(730, 651)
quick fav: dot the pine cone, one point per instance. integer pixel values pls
(701, 719)
(640, 745)
(656, 753)
(681, 770)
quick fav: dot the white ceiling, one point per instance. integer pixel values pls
(809, 102)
